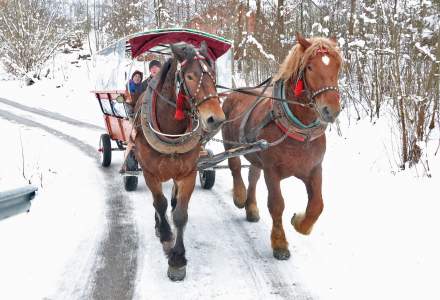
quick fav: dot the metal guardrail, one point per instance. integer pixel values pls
(16, 201)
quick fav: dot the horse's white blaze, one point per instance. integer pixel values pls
(326, 60)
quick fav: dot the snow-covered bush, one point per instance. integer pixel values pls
(30, 31)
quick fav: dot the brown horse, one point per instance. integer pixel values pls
(307, 80)
(170, 144)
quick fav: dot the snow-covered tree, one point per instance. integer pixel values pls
(124, 17)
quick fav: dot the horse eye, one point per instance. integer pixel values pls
(189, 77)
(309, 67)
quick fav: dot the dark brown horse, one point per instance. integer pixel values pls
(308, 79)
(170, 144)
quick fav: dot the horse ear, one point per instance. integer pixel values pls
(302, 41)
(204, 48)
(178, 51)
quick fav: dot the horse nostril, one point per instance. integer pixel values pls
(214, 121)
(210, 120)
(326, 111)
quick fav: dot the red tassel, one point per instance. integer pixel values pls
(179, 115)
(299, 88)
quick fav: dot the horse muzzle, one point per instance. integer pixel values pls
(328, 114)
(328, 106)
(213, 122)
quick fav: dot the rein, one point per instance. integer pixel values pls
(309, 95)
(247, 91)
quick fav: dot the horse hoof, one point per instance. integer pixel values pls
(281, 254)
(239, 196)
(176, 274)
(296, 222)
(252, 216)
(238, 203)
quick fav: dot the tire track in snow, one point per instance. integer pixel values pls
(50, 115)
(116, 265)
(263, 268)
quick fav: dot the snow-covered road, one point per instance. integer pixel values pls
(114, 264)
(228, 257)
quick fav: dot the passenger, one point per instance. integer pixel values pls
(135, 83)
(154, 68)
(136, 86)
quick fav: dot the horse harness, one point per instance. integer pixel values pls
(175, 143)
(283, 117)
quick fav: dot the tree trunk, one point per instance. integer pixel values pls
(352, 14)
(88, 26)
(279, 30)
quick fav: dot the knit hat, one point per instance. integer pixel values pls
(154, 63)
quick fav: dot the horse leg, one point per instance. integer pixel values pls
(239, 190)
(160, 203)
(275, 204)
(303, 223)
(176, 257)
(252, 214)
(174, 196)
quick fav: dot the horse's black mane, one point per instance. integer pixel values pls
(164, 71)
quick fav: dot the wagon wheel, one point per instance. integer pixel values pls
(105, 149)
(131, 182)
(207, 177)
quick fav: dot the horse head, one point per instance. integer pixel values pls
(321, 64)
(197, 76)
(315, 64)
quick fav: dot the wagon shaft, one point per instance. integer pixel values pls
(210, 161)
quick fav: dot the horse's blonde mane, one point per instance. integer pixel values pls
(297, 58)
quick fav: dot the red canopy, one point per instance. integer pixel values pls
(146, 41)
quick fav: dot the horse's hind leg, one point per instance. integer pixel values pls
(252, 214)
(303, 223)
(275, 204)
(239, 190)
(160, 203)
(176, 257)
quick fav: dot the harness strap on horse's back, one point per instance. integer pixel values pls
(284, 119)
(252, 135)
(242, 135)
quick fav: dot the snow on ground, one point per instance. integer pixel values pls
(374, 240)
(65, 220)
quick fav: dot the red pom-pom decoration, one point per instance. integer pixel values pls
(299, 88)
(179, 115)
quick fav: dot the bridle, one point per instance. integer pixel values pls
(310, 94)
(192, 97)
